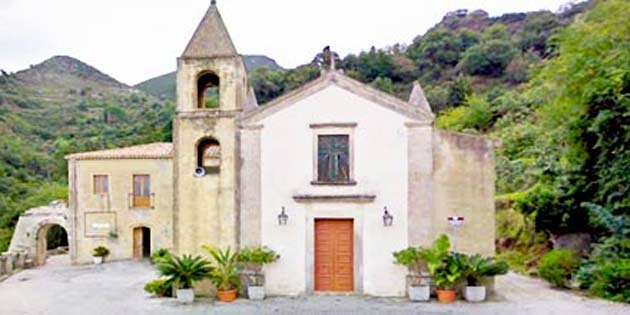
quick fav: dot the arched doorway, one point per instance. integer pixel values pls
(52, 239)
(141, 242)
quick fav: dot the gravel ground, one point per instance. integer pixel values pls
(116, 288)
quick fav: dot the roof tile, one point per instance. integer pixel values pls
(158, 150)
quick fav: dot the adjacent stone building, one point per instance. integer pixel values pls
(334, 176)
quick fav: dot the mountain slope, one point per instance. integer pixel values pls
(65, 71)
(61, 106)
(164, 86)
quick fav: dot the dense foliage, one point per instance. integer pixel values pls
(558, 266)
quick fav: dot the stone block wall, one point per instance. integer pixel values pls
(12, 262)
(464, 185)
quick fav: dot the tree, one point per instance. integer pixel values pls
(488, 58)
(539, 26)
(383, 84)
(458, 91)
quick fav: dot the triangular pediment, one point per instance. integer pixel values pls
(336, 78)
(211, 39)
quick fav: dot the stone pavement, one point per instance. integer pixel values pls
(117, 288)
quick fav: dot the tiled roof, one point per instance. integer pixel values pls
(158, 150)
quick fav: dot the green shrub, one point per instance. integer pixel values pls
(160, 287)
(409, 258)
(558, 266)
(607, 273)
(257, 255)
(100, 251)
(452, 118)
(611, 280)
(475, 114)
(584, 274)
(517, 260)
(159, 255)
(450, 273)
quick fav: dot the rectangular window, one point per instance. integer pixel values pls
(100, 184)
(333, 159)
(141, 191)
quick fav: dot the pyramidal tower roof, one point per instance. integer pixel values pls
(211, 39)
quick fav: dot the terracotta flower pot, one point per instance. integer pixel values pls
(226, 295)
(445, 296)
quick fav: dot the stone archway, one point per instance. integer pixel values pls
(32, 230)
(43, 241)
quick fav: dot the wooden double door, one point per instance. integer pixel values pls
(334, 259)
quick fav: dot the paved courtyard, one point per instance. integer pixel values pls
(116, 288)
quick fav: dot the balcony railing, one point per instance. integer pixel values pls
(141, 202)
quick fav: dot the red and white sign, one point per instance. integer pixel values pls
(455, 220)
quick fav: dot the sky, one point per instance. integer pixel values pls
(135, 40)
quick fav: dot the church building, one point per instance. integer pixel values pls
(334, 176)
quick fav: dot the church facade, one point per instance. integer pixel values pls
(334, 176)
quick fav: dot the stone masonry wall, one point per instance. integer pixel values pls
(464, 185)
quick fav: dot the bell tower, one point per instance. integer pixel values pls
(211, 88)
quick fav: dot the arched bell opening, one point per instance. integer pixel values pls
(208, 90)
(208, 157)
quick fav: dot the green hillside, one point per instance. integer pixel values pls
(164, 86)
(60, 106)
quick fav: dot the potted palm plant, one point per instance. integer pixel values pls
(253, 259)
(448, 276)
(446, 269)
(477, 270)
(99, 253)
(225, 274)
(182, 273)
(418, 286)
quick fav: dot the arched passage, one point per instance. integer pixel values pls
(51, 239)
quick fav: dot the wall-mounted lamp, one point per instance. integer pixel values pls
(388, 219)
(283, 217)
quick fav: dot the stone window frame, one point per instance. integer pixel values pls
(151, 197)
(107, 184)
(346, 129)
